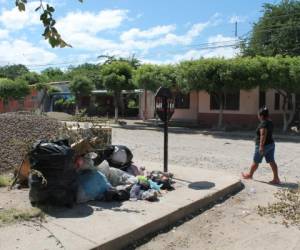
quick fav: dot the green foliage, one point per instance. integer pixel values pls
(13, 89)
(88, 70)
(13, 71)
(52, 90)
(132, 60)
(65, 105)
(81, 86)
(220, 75)
(41, 86)
(132, 104)
(117, 76)
(34, 78)
(54, 74)
(277, 32)
(150, 77)
(46, 17)
(147, 77)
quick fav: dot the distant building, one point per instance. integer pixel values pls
(240, 107)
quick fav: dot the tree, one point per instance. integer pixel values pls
(81, 86)
(32, 78)
(91, 71)
(147, 77)
(54, 74)
(117, 76)
(218, 77)
(283, 75)
(132, 60)
(13, 71)
(13, 89)
(50, 32)
(277, 32)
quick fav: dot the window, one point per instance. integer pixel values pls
(182, 101)
(262, 99)
(231, 101)
(277, 101)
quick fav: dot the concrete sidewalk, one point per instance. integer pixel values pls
(99, 225)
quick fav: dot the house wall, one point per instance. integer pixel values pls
(188, 114)
(30, 102)
(244, 117)
(249, 101)
(200, 111)
(150, 105)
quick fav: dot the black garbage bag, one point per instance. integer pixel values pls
(53, 177)
(120, 157)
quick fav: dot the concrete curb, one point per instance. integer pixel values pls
(168, 220)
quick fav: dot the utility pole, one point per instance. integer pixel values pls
(236, 29)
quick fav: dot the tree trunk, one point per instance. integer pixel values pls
(77, 105)
(220, 118)
(288, 115)
(145, 105)
(122, 104)
(116, 95)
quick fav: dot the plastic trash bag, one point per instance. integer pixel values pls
(116, 176)
(121, 157)
(53, 178)
(92, 186)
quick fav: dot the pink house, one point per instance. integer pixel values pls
(240, 107)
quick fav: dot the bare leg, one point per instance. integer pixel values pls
(249, 175)
(275, 173)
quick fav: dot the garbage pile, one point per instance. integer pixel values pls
(19, 130)
(63, 174)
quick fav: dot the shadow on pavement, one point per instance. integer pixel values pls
(77, 211)
(289, 185)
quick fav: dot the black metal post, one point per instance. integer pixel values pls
(165, 135)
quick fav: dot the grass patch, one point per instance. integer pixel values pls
(5, 180)
(10, 216)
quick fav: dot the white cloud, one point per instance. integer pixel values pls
(90, 23)
(23, 52)
(13, 19)
(82, 31)
(153, 32)
(239, 19)
(221, 46)
(4, 34)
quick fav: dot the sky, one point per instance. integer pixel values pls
(155, 31)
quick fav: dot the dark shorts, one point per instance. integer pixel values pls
(268, 154)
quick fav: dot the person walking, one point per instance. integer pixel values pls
(264, 146)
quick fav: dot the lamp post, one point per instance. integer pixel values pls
(164, 107)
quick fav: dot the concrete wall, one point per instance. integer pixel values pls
(147, 113)
(249, 101)
(200, 110)
(188, 114)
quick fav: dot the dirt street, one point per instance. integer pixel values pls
(233, 224)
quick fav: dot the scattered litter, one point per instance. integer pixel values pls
(287, 206)
(252, 190)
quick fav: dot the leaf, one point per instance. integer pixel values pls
(21, 6)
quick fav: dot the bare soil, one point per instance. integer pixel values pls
(235, 223)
